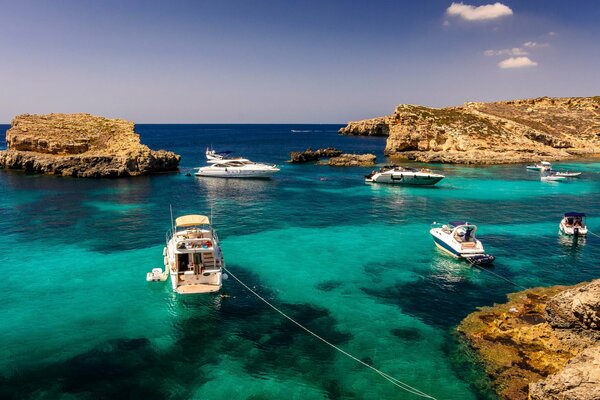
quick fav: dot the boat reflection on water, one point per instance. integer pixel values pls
(451, 272)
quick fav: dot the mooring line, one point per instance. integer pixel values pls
(394, 381)
(593, 233)
(497, 275)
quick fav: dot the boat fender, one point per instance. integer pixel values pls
(225, 276)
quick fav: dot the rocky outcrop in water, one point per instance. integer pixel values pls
(81, 145)
(310, 155)
(490, 133)
(542, 344)
(352, 160)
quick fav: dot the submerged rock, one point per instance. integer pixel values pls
(352, 160)
(81, 145)
(310, 155)
(490, 133)
(533, 337)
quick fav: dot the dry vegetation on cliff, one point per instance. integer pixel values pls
(81, 145)
(490, 133)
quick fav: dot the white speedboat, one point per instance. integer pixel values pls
(551, 176)
(404, 176)
(573, 224)
(541, 166)
(237, 168)
(193, 256)
(567, 174)
(457, 238)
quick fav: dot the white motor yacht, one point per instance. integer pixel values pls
(404, 176)
(237, 168)
(457, 238)
(193, 256)
(567, 174)
(541, 166)
(222, 165)
(573, 224)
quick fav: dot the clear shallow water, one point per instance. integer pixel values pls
(354, 262)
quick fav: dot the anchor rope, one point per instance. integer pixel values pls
(496, 275)
(394, 381)
(593, 233)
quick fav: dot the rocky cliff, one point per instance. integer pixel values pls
(490, 133)
(81, 145)
(541, 345)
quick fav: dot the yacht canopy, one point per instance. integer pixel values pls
(574, 214)
(192, 220)
(457, 223)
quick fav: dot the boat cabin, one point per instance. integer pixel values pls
(194, 246)
(574, 219)
(462, 232)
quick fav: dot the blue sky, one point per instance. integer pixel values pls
(297, 61)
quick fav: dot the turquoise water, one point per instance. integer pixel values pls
(353, 262)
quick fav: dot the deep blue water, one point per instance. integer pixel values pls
(352, 261)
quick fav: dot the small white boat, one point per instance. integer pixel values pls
(551, 177)
(541, 166)
(567, 174)
(573, 224)
(404, 176)
(157, 275)
(457, 238)
(193, 256)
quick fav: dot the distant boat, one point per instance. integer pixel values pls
(193, 256)
(551, 176)
(541, 166)
(457, 239)
(404, 176)
(567, 174)
(573, 224)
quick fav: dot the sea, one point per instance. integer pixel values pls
(352, 262)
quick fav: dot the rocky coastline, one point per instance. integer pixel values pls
(335, 158)
(81, 145)
(515, 131)
(543, 344)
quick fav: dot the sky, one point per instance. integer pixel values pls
(289, 61)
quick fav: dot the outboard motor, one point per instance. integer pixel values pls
(575, 233)
(481, 259)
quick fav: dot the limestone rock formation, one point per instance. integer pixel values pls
(352, 160)
(81, 145)
(530, 344)
(490, 133)
(579, 380)
(310, 155)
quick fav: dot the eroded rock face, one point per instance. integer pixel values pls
(81, 145)
(310, 155)
(352, 160)
(490, 133)
(533, 336)
(579, 380)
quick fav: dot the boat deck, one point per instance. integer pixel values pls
(197, 288)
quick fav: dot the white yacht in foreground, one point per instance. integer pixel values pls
(457, 238)
(221, 166)
(193, 256)
(573, 224)
(404, 176)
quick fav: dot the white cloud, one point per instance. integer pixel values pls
(516, 62)
(473, 13)
(531, 45)
(515, 51)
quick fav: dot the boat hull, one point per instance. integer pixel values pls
(570, 230)
(236, 174)
(407, 179)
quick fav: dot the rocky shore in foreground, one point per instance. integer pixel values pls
(81, 145)
(490, 133)
(543, 344)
